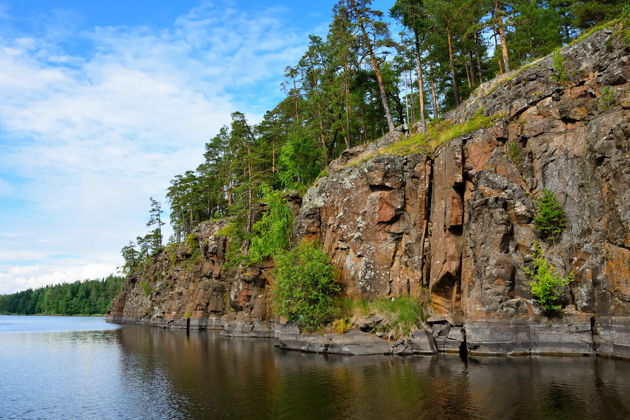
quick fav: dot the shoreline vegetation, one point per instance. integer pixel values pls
(80, 298)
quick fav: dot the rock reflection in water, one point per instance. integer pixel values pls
(206, 376)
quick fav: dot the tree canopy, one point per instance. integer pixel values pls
(87, 297)
(355, 84)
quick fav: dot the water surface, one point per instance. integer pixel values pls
(140, 372)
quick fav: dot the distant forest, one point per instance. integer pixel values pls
(357, 83)
(88, 297)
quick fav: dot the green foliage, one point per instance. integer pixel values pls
(146, 288)
(155, 219)
(607, 99)
(439, 133)
(192, 245)
(559, 67)
(514, 153)
(305, 289)
(300, 159)
(89, 297)
(550, 218)
(171, 250)
(546, 285)
(401, 313)
(272, 232)
(237, 237)
(132, 258)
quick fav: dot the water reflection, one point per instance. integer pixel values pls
(200, 375)
(142, 372)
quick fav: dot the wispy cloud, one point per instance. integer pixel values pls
(23, 277)
(92, 135)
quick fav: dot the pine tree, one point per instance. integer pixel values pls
(373, 33)
(550, 218)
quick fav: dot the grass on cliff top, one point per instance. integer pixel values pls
(622, 21)
(437, 134)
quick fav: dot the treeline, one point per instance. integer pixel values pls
(87, 297)
(357, 83)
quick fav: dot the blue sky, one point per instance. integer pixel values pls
(103, 102)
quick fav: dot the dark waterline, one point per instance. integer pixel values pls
(141, 372)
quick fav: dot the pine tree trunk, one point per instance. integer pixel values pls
(496, 45)
(501, 29)
(479, 71)
(347, 100)
(420, 82)
(468, 76)
(451, 63)
(436, 113)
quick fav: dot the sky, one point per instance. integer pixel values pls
(103, 102)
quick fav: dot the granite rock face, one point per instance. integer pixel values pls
(371, 219)
(454, 228)
(463, 218)
(188, 287)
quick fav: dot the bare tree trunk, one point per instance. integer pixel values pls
(297, 112)
(496, 45)
(420, 82)
(472, 68)
(412, 107)
(347, 100)
(451, 63)
(468, 76)
(479, 71)
(504, 50)
(273, 157)
(436, 113)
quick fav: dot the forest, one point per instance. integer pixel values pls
(352, 86)
(89, 297)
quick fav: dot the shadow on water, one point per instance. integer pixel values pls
(202, 375)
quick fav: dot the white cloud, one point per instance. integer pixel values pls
(24, 277)
(91, 136)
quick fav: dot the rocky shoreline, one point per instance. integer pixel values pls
(572, 337)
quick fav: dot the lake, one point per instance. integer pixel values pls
(82, 367)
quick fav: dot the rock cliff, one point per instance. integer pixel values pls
(455, 225)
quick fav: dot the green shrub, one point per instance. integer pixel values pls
(235, 232)
(146, 288)
(514, 153)
(272, 232)
(546, 285)
(557, 60)
(192, 243)
(607, 99)
(305, 289)
(550, 218)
